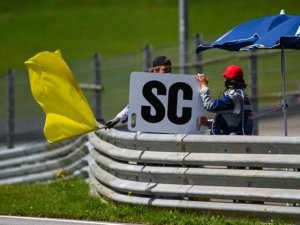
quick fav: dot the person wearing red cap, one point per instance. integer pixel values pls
(161, 64)
(233, 110)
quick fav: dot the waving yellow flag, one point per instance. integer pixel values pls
(53, 86)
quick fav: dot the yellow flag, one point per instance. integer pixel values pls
(55, 89)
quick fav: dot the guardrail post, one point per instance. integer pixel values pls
(253, 87)
(10, 110)
(198, 41)
(147, 57)
(97, 93)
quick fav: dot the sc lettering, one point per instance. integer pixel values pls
(160, 110)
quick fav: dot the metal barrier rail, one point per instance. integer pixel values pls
(44, 162)
(234, 174)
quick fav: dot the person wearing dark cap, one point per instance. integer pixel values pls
(233, 110)
(161, 64)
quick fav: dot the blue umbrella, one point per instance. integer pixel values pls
(267, 32)
(271, 32)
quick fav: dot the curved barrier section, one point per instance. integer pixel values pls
(234, 174)
(44, 162)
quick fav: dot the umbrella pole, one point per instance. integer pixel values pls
(285, 105)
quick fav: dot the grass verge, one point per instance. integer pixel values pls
(71, 199)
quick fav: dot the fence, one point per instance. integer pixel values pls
(21, 119)
(229, 174)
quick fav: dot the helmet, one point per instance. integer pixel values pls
(233, 72)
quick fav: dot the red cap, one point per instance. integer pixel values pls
(233, 72)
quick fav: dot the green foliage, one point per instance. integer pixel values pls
(71, 199)
(81, 27)
(118, 31)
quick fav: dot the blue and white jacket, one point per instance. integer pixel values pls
(233, 112)
(123, 115)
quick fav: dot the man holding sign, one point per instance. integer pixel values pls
(161, 64)
(162, 104)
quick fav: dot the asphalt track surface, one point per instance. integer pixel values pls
(17, 220)
(275, 126)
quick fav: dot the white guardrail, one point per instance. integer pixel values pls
(43, 162)
(235, 174)
(229, 174)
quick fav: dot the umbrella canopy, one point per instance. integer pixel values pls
(271, 32)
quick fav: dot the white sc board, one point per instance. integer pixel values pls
(164, 103)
